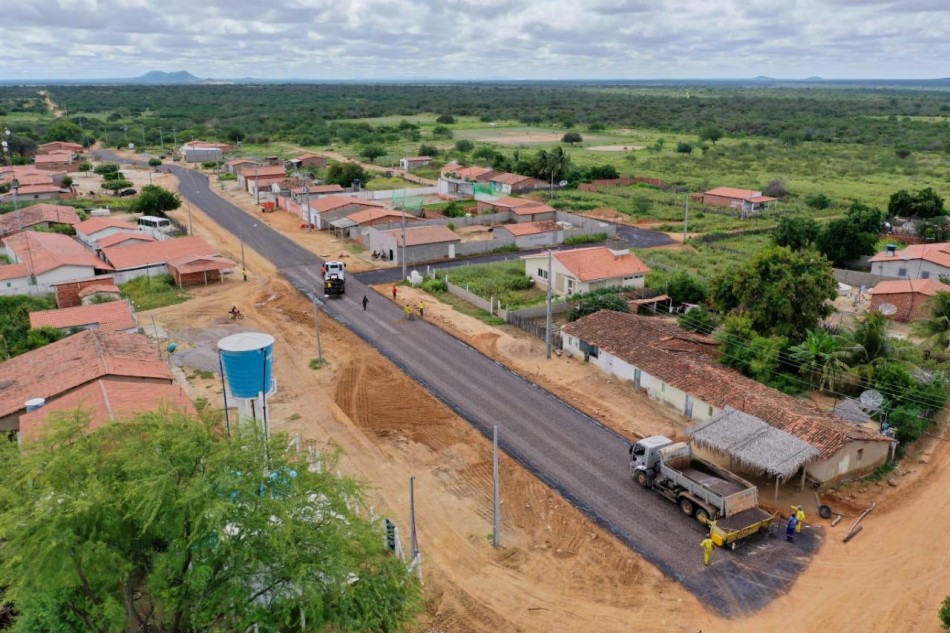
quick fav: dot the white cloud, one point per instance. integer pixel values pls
(471, 39)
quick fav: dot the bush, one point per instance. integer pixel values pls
(684, 148)
(428, 150)
(585, 239)
(454, 209)
(106, 168)
(572, 137)
(154, 162)
(684, 288)
(152, 292)
(818, 201)
(776, 188)
(945, 613)
(595, 302)
(699, 320)
(464, 145)
(435, 286)
(446, 119)
(440, 131)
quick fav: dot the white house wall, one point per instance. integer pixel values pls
(854, 459)
(122, 276)
(912, 269)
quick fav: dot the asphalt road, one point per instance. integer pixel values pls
(573, 453)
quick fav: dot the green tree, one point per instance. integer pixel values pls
(155, 200)
(743, 349)
(553, 165)
(711, 134)
(572, 137)
(116, 185)
(428, 150)
(851, 237)
(344, 174)
(154, 162)
(106, 168)
(868, 345)
(698, 320)
(684, 288)
(935, 330)
(821, 356)
(65, 131)
(464, 145)
(925, 203)
(782, 292)
(796, 232)
(372, 152)
(67, 181)
(41, 336)
(165, 524)
(85, 167)
(589, 303)
(818, 201)
(440, 131)
(684, 148)
(945, 613)
(603, 172)
(445, 119)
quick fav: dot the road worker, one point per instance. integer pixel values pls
(800, 515)
(707, 546)
(422, 309)
(408, 312)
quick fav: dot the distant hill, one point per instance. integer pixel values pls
(161, 77)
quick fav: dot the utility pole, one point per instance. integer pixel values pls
(316, 327)
(144, 141)
(257, 185)
(175, 136)
(191, 227)
(161, 140)
(547, 321)
(496, 533)
(413, 542)
(403, 256)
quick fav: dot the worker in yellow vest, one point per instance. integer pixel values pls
(800, 515)
(707, 546)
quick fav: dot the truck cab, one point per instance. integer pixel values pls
(334, 269)
(645, 454)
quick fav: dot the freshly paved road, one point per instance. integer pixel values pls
(573, 453)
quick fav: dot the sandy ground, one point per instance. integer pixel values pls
(556, 571)
(614, 148)
(513, 137)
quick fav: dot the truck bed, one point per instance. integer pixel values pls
(715, 484)
(742, 519)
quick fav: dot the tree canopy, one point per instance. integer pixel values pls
(796, 232)
(853, 236)
(155, 200)
(782, 292)
(925, 203)
(572, 137)
(165, 524)
(344, 174)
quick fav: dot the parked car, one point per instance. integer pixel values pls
(127, 192)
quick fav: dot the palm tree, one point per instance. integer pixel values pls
(936, 330)
(868, 345)
(822, 355)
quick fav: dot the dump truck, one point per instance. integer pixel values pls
(334, 278)
(725, 502)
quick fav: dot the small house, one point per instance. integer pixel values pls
(39, 260)
(113, 316)
(152, 258)
(37, 216)
(423, 243)
(910, 298)
(76, 292)
(91, 231)
(917, 261)
(585, 269)
(324, 210)
(414, 162)
(744, 200)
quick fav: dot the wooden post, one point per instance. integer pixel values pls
(801, 486)
(777, 478)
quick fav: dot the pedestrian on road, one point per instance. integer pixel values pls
(790, 528)
(408, 312)
(365, 301)
(422, 309)
(800, 516)
(394, 292)
(707, 546)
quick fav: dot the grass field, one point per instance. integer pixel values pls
(501, 281)
(704, 261)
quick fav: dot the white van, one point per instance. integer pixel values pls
(151, 223)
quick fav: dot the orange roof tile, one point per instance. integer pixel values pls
(329, 203)
(197, 264)
(531, 228)
(108, 400)
(732, 192)
(75, 360)
(506, 178)
(319, 189)
(43, 252)
(533, 209)
(264, 171)
(13, 271)
(108, 317)
(96, 288)
(126, 239)
(160, 252)
(512, 202)
(53, 158)
(419, 235)
(938, 253)
(417, 159)
(94, 225)
(598, 262)
(37, 214)
(368, 215)
(673, 355)
(471, 173)
(927, 287)
(32, 189)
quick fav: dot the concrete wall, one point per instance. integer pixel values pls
(914, 269)
(857, 278)
(18, 286)
(389, 194)
(854, 460)
(134, 273)
(201, 154)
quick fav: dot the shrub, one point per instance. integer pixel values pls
(572, 137)
(154, 162)
(585, 239)
(435, 286)
(446, 119)
(428, 150)
(684, 288)
(698, 320)
(684, 148)
(440, 131)
(776, 188)
(464, 145)
(454, 209)
(818, 201)
(595, 302)
(945, 613)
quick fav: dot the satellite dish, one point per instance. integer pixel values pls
(871, 398)
(887, 309)
(563, 183)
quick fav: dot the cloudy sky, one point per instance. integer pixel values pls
(476, 39)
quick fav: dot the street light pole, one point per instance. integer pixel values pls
(161, 140)
(243, 261)
(257, 185)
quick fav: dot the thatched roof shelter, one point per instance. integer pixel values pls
(752, 444)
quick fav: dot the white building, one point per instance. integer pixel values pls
(917, 261)
(586, 269)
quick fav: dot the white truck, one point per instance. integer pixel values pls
(725, 502)
(334, 278)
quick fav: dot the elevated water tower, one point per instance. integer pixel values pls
(247, 361)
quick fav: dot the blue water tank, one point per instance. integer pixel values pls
(248, 358)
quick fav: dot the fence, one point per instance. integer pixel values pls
(539, 330)
(622, 182)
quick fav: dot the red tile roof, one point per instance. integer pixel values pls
(938, 253)
(76, 360)
(59, 146)
(319, 189)
(264, 171)
(96, 288)
(94, 225)
(531, 228)
(127, 239)
(13, 271)
(199, 264)
(671, 354)
(368, 215)
(108, 317)
(927, 287)
(329, 203)
(506, 178)
(32, 189)
(511, 202)
(160, 252)
(599, 262)
(419, 235)
(417, 159)
(471, 173)
(37, 214)
(740, 194)
(533, 209)
(108, 400)
(239, 161)
(53, 158)
(47, 251)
